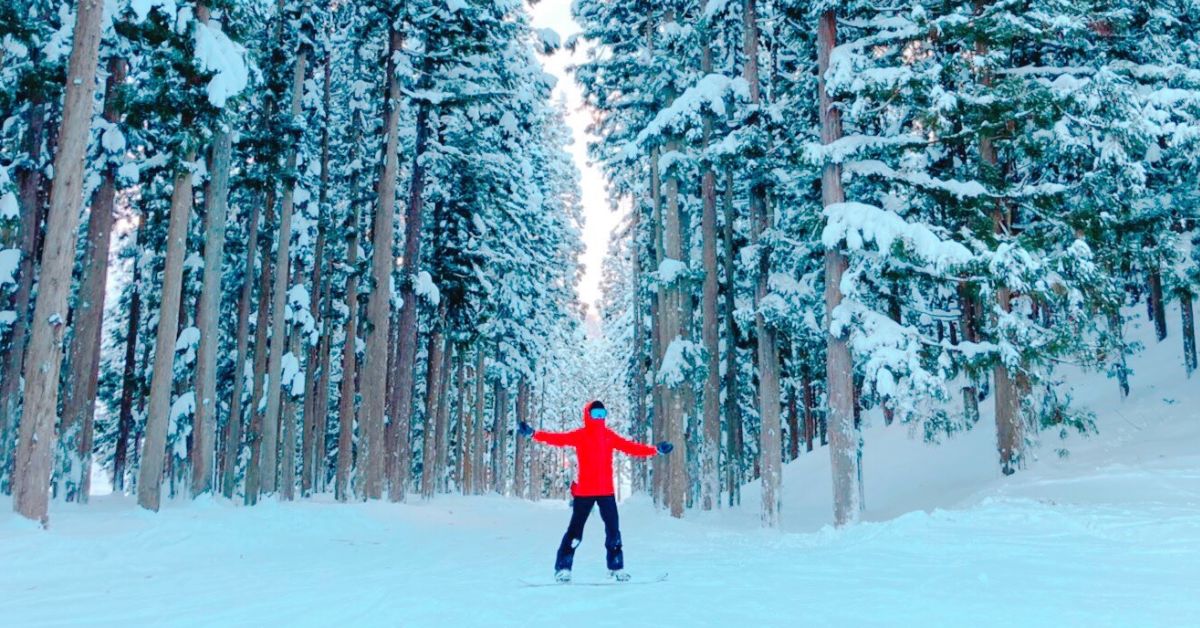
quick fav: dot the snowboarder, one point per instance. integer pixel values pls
(594, 444)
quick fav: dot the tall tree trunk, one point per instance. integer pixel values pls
(374, 385)
(79, 403)
(839, 373)
(207, 319)
(733, 415)
(320, 352)
(460, 419)
(345, 448)
(500, 444)
(522, 452)
(443, 422)
(270, 434)
(433, 389)
(33, 212)
(710, 481)
(479, 475)
(129, 380)
(233, 425)
(810, 405)
(770, 447)
(261, 318)
(1008, 394)
(407, 350)
(674, 329)
(157, 420)
(1188, 329)
(640, 419)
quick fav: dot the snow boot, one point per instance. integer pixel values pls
(562, 575)
(619, 575)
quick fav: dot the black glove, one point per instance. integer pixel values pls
(665, 447)
(524, 429)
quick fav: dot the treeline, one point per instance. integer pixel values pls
(919, 210)
(345, 236)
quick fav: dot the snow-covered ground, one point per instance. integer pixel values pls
(1107, 536)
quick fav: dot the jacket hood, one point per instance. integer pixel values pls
(588, 421)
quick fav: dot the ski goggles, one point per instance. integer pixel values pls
(598, 413)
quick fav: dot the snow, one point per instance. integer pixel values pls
(10, 259)
(1106, 536)
(217, 53)
(454, 6)
(550, 40)
(142, 8)
(111, 138)
(8, 197)
(426, 288)
(708, 94)
(858, 223)
(669, 270)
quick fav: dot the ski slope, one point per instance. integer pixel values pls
(1107, 536)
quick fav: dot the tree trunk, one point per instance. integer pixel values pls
(269, 472)
(233, 425)
(33, 212)
(374, 385)
(79, 403)
(674, 329)
(810, 405)
(499, 430)
(407, 350)
(443, 422)
(479, 475)
(460, 419)
(770, 448)
(254, 436)
(843, 437)
(970, 333)
(35, 449)
(1188, 331)
(1008, 395)
(522, 452)
(733, 415)
(433, 389)
(1157, 307)
(128, 381)
(158, 416)
(345, 448)
(710, 481)
(207, 320)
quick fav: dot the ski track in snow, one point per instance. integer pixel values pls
(1108, 536)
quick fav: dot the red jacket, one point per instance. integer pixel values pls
(594, 444)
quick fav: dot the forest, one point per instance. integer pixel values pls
(287, 249)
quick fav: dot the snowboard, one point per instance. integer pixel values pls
(607, 582)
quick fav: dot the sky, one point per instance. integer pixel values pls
(599, 219)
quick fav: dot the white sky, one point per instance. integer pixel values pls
(599, 220)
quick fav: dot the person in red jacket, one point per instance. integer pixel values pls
(594, 444)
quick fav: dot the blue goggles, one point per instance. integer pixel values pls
(598, 413)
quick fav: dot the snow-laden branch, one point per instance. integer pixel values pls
(859, 223)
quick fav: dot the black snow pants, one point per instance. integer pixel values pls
(581, 507)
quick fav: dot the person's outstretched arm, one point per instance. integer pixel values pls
(632, 448)
(554, 439)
